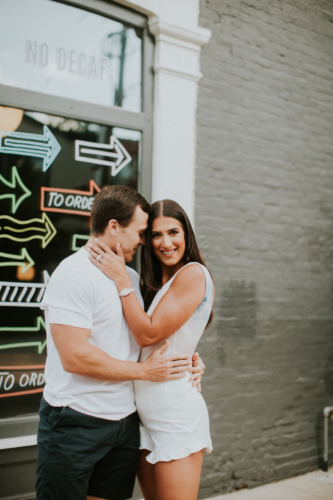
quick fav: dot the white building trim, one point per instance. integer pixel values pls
(18, 442)
(177, 72)
(179, 39)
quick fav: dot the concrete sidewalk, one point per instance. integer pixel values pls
(316, 485)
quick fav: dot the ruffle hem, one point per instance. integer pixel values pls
(176, 454)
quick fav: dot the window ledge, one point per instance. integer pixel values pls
(18, 442)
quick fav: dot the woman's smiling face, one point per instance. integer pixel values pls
(168, 240)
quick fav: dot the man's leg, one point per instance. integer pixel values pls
(69, 445)
(54, 471)
(113, 476)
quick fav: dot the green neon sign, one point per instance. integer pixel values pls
(75, 239)
(23, 260)
(40, 324)
(13, 184)
(18, 230)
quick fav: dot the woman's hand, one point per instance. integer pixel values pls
(197, 369)
(112, 264)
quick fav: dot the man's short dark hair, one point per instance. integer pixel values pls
(115, 202)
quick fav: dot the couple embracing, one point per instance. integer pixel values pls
(97, 428)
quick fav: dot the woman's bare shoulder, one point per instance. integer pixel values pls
(190, 277)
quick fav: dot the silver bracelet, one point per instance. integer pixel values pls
(125, 292)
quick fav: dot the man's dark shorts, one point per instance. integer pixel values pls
(80, 455)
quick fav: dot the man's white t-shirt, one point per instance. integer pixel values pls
(79, 294)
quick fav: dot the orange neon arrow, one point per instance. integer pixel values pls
(68, 201)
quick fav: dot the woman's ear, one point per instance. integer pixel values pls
(113, 227)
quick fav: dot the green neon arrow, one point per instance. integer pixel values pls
(74, 242)
(16, 181)
(40, 345)
(45, 232)
(40, 323)
(17, 260)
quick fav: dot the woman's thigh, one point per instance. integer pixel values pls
(178, 479)
(146, 477)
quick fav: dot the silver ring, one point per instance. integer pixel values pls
(99, 257)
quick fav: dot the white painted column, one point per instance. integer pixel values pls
(177, 72)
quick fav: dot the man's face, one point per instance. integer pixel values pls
(132, 236)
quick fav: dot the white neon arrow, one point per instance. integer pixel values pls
(23, 294)
(19, 143)
(121, 156)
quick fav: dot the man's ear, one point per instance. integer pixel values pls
(112, 227)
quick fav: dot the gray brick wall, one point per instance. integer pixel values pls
(264, 219)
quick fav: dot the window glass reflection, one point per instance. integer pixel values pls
(46, 192)
(60, 50)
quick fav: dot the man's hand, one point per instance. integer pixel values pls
(197, 369)
(159, 367)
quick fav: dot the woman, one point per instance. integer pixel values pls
(178, 294)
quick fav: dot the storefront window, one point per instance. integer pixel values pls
(51, 168)
(76, 90)
(60, 50)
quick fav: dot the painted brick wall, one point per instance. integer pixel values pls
(264, 219)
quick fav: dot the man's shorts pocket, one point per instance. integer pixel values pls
(51, 414)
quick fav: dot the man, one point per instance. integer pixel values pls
(88, 435)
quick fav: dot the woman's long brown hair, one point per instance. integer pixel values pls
(151, 272)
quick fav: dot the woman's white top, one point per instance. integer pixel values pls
(173, 414)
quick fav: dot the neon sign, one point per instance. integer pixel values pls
(77, 237)
(96, 150)
(40, 323)
(43, 146)
(68, 201)
(16, 181)
(17, 260)
(27, 232)
(23, 294)
(15, 378)
(40, 345)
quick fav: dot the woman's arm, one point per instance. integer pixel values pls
(175, 308)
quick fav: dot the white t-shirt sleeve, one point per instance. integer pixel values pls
(69, 299)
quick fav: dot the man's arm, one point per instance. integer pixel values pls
(78, 356)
